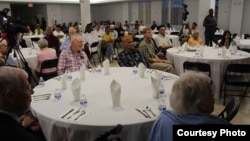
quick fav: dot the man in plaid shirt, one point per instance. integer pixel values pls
(72, 58)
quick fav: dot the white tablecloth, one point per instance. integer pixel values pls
(243, 43)
(30, 55)
(174, 38)
(218, 63)
(135, 93)
(28, 39)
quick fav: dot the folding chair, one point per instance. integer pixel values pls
(106, 135)
(47, 64)
(235, 75)
(197, 66)
(231, 109)
(94, 51)
(34, 41)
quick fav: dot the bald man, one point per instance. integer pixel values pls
(67, 41)
(130, 56)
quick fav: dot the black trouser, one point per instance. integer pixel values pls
(209, 37)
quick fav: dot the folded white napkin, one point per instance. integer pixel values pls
(82, 72)
(106, 66)
(64, 81)
(201, 51)
(184, 47)
(156, 81)
(223, 51)
(76, 88)
(141, 70)
(115, 89)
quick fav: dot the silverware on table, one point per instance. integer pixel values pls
(67, 113)
(41, 95)
(77, 111)
(141, 113)
(146, 113)
(150, 110)
(81, 114)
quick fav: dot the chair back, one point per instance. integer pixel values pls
(231, 109)
(175, 33)
(47, 64)
(238, 68)
(106, 135)
(94, 44)
(197, 66)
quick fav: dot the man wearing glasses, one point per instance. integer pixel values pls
(130, 56)
(4, 50)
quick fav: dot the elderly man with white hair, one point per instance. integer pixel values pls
(72, 58)
(192, 102)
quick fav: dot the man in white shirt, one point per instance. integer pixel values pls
(162, 40)
(58, 33)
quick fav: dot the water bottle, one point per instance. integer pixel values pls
(57, 95)
(99, 69)
(162, 103)
(41, 82)
(83, 102)
(69, 75)
(135, 70)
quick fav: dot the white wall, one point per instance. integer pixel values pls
(134, 7)
(224, 14)
(156, 14)
(112, 12)
(5, 5)
(246, 19)
(235, 19)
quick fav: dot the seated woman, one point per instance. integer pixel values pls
(45, 54)
(191, 101)
(227, 40)
(195, 40)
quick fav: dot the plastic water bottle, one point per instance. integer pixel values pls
(41, 82)
(135, 70)
(83, 102)
(57, 95)
(69, 75)
(162, 103)
(99, 69)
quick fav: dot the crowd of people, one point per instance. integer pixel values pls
(71, 45)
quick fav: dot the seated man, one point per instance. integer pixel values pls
(66, 42)
(195, 40)
(162, 40)
(188, 107)
(58, 33)
(4, 49)
(38, 30)
(15, 98)
(130, 56)
(147, 48)
(107, 43)
(72, 58)
(53, 41)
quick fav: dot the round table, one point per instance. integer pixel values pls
(29, 41)
(217, 62)
(136, 92)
